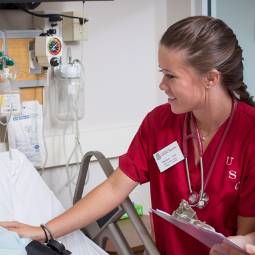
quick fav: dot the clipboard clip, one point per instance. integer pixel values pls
(185, 213)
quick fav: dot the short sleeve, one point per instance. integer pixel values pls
(246, 206)
(135, 162)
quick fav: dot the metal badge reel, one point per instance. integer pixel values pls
(193, 198)
(203, 201)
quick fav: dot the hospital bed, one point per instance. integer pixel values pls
(25, 197)
(107, 227)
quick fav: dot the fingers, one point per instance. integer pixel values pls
(10, 224)
(231, 251)
(225, 248)
(216, 250)
(24, 230)
(250, 249)
(238, 240)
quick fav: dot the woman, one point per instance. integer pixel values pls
(210, 119)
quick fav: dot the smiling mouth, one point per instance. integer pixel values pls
(171, 98)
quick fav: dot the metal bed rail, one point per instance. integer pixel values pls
(107, 227)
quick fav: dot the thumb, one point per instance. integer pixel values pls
(250, 249)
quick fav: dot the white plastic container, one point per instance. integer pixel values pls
(10, 100)
(68, 100)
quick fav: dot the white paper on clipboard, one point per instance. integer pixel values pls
(208, 237)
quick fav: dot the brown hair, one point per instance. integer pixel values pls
(209, 44)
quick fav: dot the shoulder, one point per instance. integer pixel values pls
(244, 124)
(162, 117)
(246, 114)
(162, 112)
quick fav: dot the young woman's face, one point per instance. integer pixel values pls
(184, 87)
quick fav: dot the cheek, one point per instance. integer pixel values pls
(197, 87)
(189, 95)
(200, 91)
(184, 88)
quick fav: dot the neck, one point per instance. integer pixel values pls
(213, 114)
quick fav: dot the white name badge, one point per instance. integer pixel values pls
(168, 156)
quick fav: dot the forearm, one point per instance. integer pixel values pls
(87, 210)
(97, 203)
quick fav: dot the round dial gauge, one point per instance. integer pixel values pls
(54, 46)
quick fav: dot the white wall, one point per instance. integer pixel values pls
(178, 10)
(120, 58)
(121, 85)
(143, 22)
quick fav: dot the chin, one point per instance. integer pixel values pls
(178, 110)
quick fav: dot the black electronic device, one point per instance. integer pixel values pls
(52, 247)
(31, 4)
(40, 1)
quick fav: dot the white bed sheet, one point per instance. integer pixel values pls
(25, 197)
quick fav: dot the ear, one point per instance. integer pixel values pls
(212, 78)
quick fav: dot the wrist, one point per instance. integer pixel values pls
(47, 233)
(39, 235)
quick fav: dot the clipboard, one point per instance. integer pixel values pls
(199, 230)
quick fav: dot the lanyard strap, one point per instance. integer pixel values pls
(221, 142)
(185, 149)
(193, 126)
(186, 136)
(189, 118)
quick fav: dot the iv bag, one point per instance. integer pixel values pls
(10, 99)
(25, 132)
(68, 98)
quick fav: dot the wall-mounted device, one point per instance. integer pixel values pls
(48, 50)
(40, 1)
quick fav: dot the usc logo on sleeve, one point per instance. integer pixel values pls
(229, 160)
(232, 173)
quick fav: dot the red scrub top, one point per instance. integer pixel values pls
(231, 187)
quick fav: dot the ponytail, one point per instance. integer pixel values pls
(243, 95)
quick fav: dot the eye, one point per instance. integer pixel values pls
(166, 74)
(169, 76)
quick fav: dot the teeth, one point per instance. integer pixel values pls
(171, 98)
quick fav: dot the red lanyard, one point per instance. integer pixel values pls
(189, 118)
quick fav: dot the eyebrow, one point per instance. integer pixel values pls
(164, 70)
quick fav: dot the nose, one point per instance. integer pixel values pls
(163, 85)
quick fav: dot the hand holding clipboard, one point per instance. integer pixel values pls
(185, 219)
